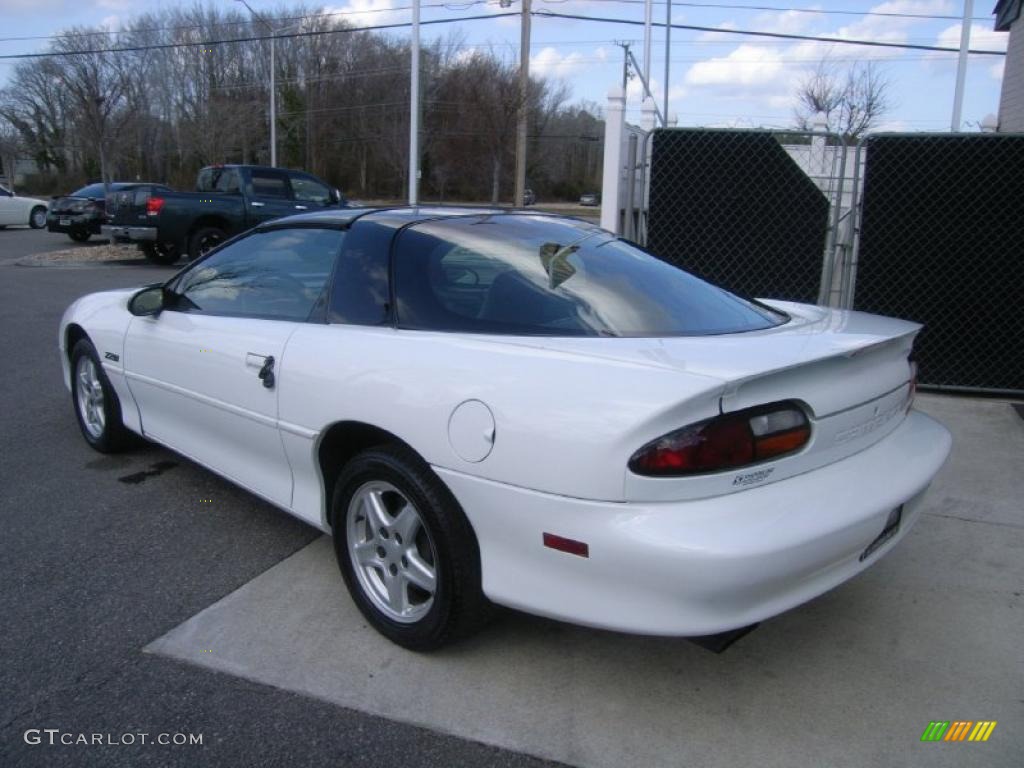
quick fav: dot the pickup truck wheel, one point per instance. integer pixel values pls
(205, 239)
(79, 235)
(37, 219)
(160, 253)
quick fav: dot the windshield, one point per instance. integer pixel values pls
(535, 275)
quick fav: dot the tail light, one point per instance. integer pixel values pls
(725, 442)
(154, 205)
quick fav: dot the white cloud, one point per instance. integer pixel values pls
(983, 38)
(115, 5)
(364, 13)
(549, 62)
(768, 75)
(746, 65)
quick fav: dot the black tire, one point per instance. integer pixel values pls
(113, 437)
(164, 254)
(205, 239)
(459, 607)
(37, 218)
(79, 235)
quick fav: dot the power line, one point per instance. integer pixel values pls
(780, 35)
(241, 22)
(774, 8)
(249, 39)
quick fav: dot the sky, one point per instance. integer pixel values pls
(716, 78)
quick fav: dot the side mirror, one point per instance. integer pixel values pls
(336, 197)
(149, 301)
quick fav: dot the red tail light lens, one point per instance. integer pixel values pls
(154, 205)
(725, 442)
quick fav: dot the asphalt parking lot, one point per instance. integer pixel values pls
(132, 604)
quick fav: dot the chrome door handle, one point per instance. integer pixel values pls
(256, 204)
(301, 208)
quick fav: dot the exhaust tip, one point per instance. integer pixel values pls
(718, 643)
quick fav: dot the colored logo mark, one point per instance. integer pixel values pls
(958, 730)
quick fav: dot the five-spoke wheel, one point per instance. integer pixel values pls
(391, 551)
(96, 404)
(406, 550)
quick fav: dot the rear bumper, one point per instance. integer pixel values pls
(130, 234)
(704, 566)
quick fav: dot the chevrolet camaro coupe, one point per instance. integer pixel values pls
(490, 407)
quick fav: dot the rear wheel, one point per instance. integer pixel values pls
(406, 551)
(95, 402)
(160, 253)
(79, 235)
(37, 219)
(205, 239)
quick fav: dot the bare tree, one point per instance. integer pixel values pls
(852, 101)
(11, 149)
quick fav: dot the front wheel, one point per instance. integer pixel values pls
(79, 235)
(406, 551)
(164, 254)
(205, 239)
(95, 402)
(37, 219)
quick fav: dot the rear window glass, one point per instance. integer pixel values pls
(92, 190)
(534, 275)
(267, 184)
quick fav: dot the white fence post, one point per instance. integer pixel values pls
(612, 173)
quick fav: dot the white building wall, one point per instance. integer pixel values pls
(1011, 101)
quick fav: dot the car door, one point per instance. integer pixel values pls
(310, 194)
(204, 371)
(270, 195)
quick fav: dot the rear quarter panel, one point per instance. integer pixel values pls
(564, 423)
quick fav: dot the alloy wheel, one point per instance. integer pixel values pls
(90, 398)
(391, 551)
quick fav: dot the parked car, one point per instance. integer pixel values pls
(81, 214)
(590, 198)
(491, 406)
(15, 209)
(229, 199)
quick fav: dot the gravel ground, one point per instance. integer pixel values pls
(94, 253)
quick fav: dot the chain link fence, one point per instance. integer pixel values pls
(757, 212)
(941, 241)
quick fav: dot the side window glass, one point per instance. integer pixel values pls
(310, 191)
(227, 182)
(278, 275)
(269, 184)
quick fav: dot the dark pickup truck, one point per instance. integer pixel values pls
(229, 199)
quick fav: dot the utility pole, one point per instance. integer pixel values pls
(961, 65)
(414, 109)
(648, 10)
(273, 85)
(668, 55)
(624, 45)
(524, 105)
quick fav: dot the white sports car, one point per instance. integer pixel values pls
(516, 408)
